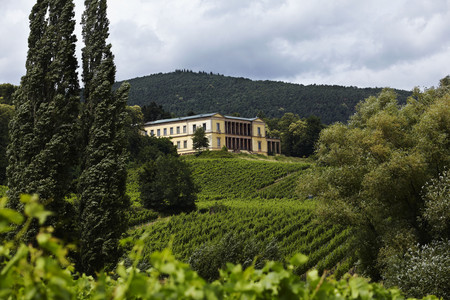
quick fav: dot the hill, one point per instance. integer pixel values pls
(181, 92)
(253, 200)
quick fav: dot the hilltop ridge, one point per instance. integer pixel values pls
(182, 91)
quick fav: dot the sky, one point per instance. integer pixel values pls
(372, 43)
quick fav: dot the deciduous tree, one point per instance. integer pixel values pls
(199, 140)
(374, 171)
(167, 185)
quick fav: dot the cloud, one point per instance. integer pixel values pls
(13, 48)
(349, 42)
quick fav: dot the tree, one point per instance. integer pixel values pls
(133, 130)
(199, 140)
(6, 114)
(313, 128)
(298, 136)
(102, 201)
(436, 193)
(41, 153)
(153, 112)
(167, 185)
(374, 169)
(6, 93)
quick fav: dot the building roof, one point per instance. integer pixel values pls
(239, 118)
(181, 119)
(200, 116)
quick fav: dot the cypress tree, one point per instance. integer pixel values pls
(41, 152)
(102, 183)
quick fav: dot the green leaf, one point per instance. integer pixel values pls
(299, 259)
(34, 209)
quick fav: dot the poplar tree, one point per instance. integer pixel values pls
(40, 152)
(102, 183)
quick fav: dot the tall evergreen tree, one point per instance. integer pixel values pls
(102, 183)
(40, 152)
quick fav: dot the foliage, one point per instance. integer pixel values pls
(142, 148)
(437, 205)
(153, 112)
(6, 114)
(42, 131)
(422, 270)
(199, 140)
(298, 136)
(133, 130)
(166, 185)
(3, 190)
(183, 91)
(210, 257)
(6, 93)
(102, 203)
(44, 272)
(374, 170)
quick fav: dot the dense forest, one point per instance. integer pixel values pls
(181, 92)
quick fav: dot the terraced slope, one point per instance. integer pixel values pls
(252, 199)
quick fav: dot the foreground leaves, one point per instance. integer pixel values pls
(43, 272)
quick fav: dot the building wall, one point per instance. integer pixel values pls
(218, 132)
(259, 143)
(180, 132)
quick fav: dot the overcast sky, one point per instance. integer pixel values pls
(395, 43)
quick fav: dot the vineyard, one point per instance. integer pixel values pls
(253, 199)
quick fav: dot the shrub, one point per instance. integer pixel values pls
(437, 205)
(421, 271)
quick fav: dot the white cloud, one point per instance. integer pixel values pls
(350, 42)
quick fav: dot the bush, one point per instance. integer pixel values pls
(437, 205)
(421, 271)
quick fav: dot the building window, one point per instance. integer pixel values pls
(184, 144)
(171, 130)
(178, 145)
(218, 142)
(218, 127)
(259, 131)
(158, 132)
(194, 128)
(259, 145)
(178, 129)
(165, 131)
(184, 129)
(152, 133)
(204, 126)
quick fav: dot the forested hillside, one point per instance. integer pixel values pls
(181, 92)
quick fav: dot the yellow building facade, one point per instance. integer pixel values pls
(235, 133)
